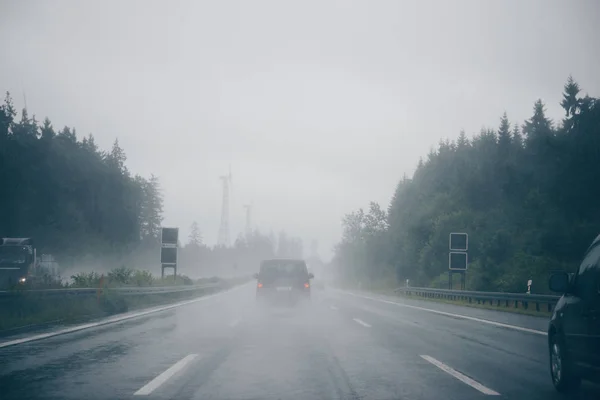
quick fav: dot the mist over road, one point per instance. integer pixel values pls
(341, 346)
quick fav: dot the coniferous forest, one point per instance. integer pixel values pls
(527, 194)
(82, 205)
(69, 195)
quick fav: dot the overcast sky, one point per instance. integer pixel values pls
(319, 106)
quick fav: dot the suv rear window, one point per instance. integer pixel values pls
(273, 269)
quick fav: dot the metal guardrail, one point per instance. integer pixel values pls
(127, 290)
(498, 298)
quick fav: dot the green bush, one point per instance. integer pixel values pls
(86, 279)
(142, 278)
(120, 276)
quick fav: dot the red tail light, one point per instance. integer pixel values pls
(306, 285)
(259, 285)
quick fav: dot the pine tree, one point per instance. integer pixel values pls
(7, 116)
(26, 127)
(68, 135)
(151, 209)
(570, 102)
(462, 140)
(89, 144)
(538, 125)
(47, 131)
(116, 158)
(504, 136)
(195, 237)
(517, 139)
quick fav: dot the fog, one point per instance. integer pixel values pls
(272, 351)
(320, 111)
(318, 106)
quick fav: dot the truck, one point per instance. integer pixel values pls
(18, 263)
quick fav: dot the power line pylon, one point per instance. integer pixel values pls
(224, 228)
(248, 208)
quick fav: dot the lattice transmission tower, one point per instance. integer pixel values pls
(248, 208)
(224, 228)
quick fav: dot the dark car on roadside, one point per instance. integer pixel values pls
(283, 281)
(574, 330)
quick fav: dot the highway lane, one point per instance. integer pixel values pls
(521, 320)
(342, 346)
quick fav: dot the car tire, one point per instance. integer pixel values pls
(562, 371)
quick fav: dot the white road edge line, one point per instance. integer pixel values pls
(485, 321)
(363, 323)
(165, 376)
(110, 320)
(334, 308)
(463, 378)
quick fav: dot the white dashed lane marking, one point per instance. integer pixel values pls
(165, 376)
(463, 378)
(363, 323)
(466, 317)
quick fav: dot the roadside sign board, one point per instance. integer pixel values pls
(459, 242)
(457, 260)
(168, 255)
(169, 236)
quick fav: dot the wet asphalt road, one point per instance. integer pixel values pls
(342, 346)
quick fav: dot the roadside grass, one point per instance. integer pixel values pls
(124, 276)
(31, 311)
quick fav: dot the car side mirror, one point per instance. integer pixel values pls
(310, 275)
(559, 282)
(255, 275)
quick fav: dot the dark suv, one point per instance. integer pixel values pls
(574, 331)
(283, 281)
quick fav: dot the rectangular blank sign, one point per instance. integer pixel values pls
(457, 261)
(168, 255)
(169, 235)
(459, 242)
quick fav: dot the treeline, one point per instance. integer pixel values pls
(73, 198)
(82, 205)
(244, 257)
(526, 195)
